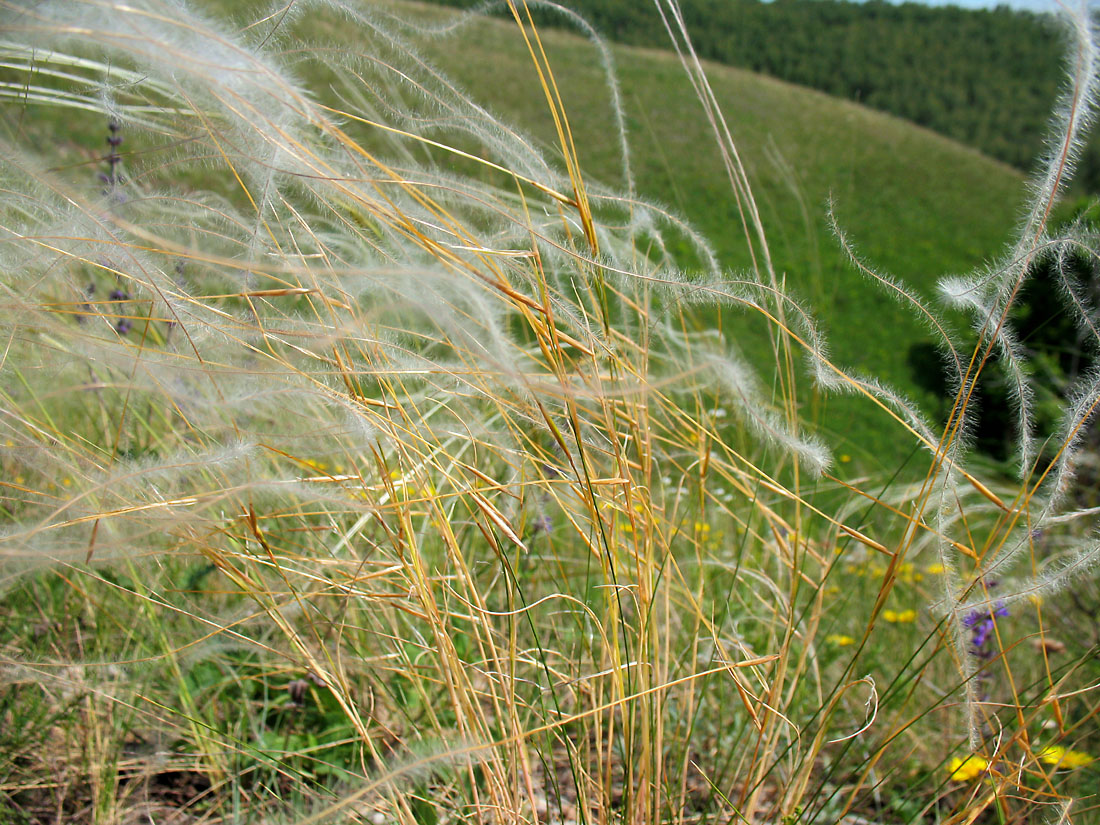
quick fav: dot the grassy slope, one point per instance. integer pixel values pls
(916, 204)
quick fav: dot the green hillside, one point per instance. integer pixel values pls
(943, 67)
(915, 204)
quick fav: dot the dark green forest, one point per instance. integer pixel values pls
(983, 77)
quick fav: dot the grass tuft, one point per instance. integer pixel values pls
(366, 460)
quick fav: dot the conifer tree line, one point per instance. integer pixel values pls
(984, 77)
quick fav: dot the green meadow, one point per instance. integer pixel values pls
(417, 418)
(914, 205)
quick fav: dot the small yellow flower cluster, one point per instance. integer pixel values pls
(963, 770)
(907, 572)
(322, 466)
(839, 639)
(623, 521)
(711, 539)
(868, 569)
(20, 480)
(1063, 758)
(900, 616)
(406, 488)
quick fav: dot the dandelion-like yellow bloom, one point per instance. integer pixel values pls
(839, 639)
(1057, 755)
(909, 574)
(845, 458)
(899, 616)
(963, 770)
(934, 569)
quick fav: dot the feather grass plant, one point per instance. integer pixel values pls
(366, 461)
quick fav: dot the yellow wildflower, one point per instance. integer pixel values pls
(907, 573)
(934, 569)
(899, 616)
(845, 458)
(702, 527)
(963, 770)
(839, 639)
(1057, 755)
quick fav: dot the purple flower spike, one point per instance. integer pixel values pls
(982, 624)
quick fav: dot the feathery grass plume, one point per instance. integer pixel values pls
(607, 63)
(936, 325)
(771, 428)
(990, 297)
(974, 296)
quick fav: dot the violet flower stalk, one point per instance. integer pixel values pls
(982, 624)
